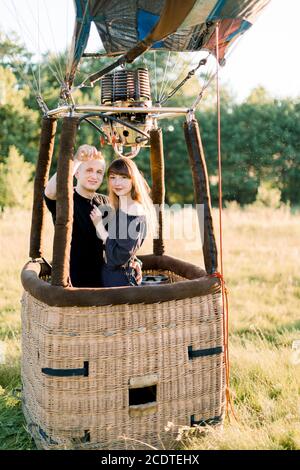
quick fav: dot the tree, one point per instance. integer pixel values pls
(18, 123)
(15, 181)
(240, 181)
(13, 55)
(259, 95)
(260, 137)
(260, 142)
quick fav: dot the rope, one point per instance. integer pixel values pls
(225, 341)
(221, 274)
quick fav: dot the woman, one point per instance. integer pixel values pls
(133, 214)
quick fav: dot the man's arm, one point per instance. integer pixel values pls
(50, 189)
(85, 152)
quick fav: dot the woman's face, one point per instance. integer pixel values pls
(120, 184)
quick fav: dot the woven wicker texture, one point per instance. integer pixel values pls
(125, 354)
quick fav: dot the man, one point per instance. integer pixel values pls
(86, 257)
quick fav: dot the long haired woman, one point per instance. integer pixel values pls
(133, 216)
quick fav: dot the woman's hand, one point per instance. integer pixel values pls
(96, 215)
(137, 266)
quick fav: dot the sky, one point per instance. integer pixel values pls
(267, 55)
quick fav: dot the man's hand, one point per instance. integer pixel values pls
(137, 266)
(86, 152)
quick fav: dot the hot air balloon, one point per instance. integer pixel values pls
(100, 363)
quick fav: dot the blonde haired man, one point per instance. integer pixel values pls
(86, 256)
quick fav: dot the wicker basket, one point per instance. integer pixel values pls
(113, 376)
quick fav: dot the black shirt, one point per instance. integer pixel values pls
(86, 258)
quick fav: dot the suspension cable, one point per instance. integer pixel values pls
(57, 67)
(15, 15)
(169, 83)
(54, 42)
(39, 50)
(187, 77)
(113, 118)
(164, 76)
(155, 77)
(35, 82)
(194, 39)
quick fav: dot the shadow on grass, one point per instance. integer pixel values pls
(13, 434)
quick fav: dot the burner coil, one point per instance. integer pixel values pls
(126, 86)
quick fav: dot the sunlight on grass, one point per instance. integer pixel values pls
(261, 250)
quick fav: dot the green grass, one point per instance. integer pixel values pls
(261, 253)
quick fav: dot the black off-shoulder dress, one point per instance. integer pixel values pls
(126, 235)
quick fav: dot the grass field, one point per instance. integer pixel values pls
(261, 255)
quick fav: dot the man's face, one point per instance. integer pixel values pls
(90, 174)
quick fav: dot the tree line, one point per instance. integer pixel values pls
(260, 138)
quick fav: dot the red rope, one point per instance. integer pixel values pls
(225, 310)
(221, 274)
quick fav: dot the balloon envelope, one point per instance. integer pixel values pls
(132, 26)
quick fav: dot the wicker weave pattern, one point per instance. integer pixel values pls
(120, 343)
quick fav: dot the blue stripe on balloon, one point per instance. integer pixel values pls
(78, 9)
(145, 23)
(243, 27)
(83, 37)
(216, 11)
